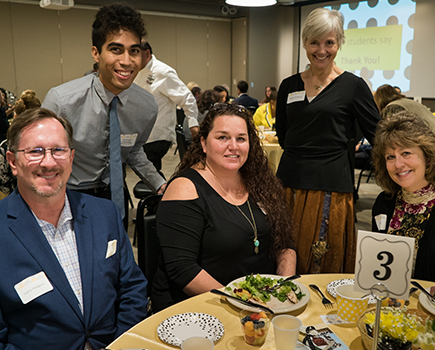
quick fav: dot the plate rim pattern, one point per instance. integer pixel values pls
(172, 319)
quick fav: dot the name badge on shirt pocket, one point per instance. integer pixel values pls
(296, 96)
(128, 140)
(33, 287)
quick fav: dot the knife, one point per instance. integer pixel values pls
(250, 303)
(419, 286)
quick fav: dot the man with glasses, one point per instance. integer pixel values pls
(68, 276)
(112, 117)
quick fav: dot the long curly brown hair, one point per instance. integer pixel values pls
(404, 129)
(257, 177)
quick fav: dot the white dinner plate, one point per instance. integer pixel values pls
(425, 302)
(332, 288)
(175, 329)
(274, 304)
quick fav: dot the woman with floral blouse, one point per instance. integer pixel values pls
(404, 159)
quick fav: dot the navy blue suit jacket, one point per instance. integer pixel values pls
(114, 288)
(246, 101)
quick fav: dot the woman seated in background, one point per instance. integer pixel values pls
(265, 114)
(8, 182)
(225, 98)
(223, 215)
(404, 159)
(267, 92)
(28, 100)
(390, 101)
(204, 102)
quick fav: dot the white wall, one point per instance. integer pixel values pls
(44, 48)
(270, 47)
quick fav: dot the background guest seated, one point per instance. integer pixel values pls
(389, 101)
(205, 101)
(28, 100)
(267, 92)
(404, 160)
(222, 90)
(8, 181)
(223, 215)
(265, 114)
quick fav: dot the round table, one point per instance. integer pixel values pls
(144, 335)
(273, 153)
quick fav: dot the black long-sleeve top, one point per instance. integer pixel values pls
(315, 135)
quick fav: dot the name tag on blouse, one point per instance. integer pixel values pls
(128, 140)
(296, 97)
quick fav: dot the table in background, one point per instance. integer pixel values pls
(274, 153)
(144, 334)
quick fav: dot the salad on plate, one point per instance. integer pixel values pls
(257, 288)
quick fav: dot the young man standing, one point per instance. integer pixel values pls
(112, 117)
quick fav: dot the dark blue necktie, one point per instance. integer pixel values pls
(116, 176)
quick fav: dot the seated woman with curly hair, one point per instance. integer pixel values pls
(223, 215)
(404, 159)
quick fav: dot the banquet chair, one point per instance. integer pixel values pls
(148, 246)
(179, 133)
(251, 109)
(368, 166)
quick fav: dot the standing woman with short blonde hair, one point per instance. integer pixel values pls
(315, 121)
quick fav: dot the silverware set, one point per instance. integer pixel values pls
(325, 301)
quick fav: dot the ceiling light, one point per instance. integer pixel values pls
(251, 3)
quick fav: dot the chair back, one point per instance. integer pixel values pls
(181, 141)
(148, 245)
(251, 109)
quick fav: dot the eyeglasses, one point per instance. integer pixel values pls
(38, 153)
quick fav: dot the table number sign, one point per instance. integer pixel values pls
(383, 258)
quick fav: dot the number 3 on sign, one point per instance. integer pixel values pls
(387, 259)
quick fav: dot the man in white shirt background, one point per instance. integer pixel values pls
(169, 92)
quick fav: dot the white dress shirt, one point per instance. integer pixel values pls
(169, 92)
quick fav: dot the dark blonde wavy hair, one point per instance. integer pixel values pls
(386, 94)
(257, 177)
(403, 129)
(28, 100)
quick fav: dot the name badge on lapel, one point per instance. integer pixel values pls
(33, 287)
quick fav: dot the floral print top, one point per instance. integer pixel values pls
(410, 220)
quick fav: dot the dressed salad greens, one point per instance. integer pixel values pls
(256, 288)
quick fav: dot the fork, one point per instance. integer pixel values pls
(272, 289)
(325, 301)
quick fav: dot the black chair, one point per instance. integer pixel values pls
(148, 246)
(368, 166)
(251, 109)
(181, 141)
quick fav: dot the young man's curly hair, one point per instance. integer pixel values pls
(112, 18)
